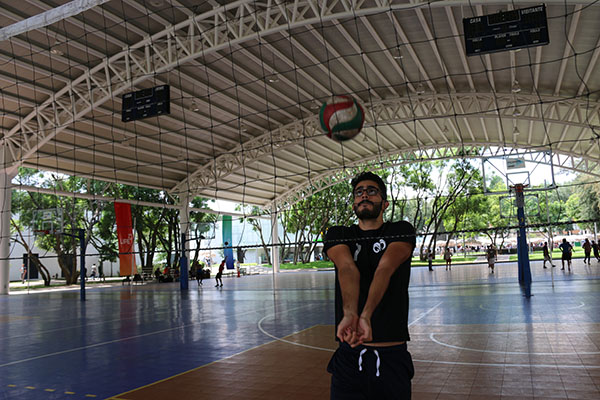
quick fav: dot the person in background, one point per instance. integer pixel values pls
(567, 253)
(587, 251)
(219, 275)
(595, 249)
(491, 257)
(448, 258)
(199, 272)
(547, 256)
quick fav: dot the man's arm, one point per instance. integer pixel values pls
(349, 280)
(395, 254)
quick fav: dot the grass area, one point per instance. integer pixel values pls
(415, 262)
(440, 261)
(311, 265)
(556, 255)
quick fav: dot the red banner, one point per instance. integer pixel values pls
(125, 236)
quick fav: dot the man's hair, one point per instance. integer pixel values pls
(369, 176)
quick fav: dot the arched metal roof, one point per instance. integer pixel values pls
(247, 78)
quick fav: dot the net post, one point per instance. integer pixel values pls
(522, 246)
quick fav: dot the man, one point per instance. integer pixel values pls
(220, 273)
(448, 259)
(491, 257)
(587, 250)
(547, 256)
(199, 272)
(595, 248)
(372, 265)
(567, 251)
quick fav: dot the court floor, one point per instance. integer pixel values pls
(474, 336)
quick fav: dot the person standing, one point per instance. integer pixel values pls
(94, 271)
(587, 251)
(567, 253)
(199, 272)
(372, 273)
(491, 257)
(547, 256)
(448, 258)
(23, 273)
(595, 249)
(219, 275)
(430, 257)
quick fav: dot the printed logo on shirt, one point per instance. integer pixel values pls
(379, 246)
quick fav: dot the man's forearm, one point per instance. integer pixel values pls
(349, 279)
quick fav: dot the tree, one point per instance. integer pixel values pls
(309, 218)
(253, 218)
(76, 214)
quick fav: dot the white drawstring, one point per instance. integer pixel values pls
(363, 351)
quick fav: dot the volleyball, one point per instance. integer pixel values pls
(341, 118)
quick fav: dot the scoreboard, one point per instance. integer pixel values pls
(146, 103)
(506, 30)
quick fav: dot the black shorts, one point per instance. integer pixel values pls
(219, 275)
(566, 256)
(390, 380)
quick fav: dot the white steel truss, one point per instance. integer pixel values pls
(328, 179)
(544, 110)
(195, 37)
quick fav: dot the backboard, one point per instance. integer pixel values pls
(48, 220)
(533, 169)
(202, 230)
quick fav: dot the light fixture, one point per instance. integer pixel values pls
(194, 106)
(515, 87)
(420, 88)
(517, 112)
(433, 110)
(445, 129)
(516, 131)
(273, 79)
(365, 138)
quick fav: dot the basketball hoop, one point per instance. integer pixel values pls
(518, 188)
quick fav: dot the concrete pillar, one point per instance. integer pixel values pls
(274, 239)
(5, 214)
(184, 226)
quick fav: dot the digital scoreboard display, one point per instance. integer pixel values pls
(146, 103)
(506, 30)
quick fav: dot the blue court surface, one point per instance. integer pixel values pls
(474, 335)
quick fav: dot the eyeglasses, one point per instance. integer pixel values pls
(369, 190)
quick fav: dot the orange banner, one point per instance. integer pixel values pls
(125, 236)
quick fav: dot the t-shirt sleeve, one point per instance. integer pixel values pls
(405, 232)
(334, 236)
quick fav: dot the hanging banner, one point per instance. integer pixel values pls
(227, 235)
(125, 236)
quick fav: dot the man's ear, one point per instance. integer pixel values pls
(385, 205)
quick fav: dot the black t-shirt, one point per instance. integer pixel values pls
(389, 322)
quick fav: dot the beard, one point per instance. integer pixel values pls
(366, 213)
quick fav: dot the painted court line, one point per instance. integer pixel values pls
(433, 339)
(425, 313)
(126, 338)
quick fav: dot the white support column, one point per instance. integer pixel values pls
(184, 217)
(5, 214)
(274, 239)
